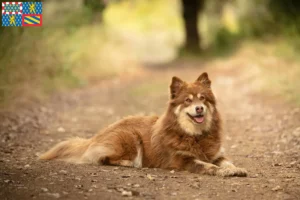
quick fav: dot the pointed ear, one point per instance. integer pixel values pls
(204, 80)
(175, 86)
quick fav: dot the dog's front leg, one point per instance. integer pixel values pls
(227, 168)
(198, 166)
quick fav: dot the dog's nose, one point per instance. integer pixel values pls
(199, 109)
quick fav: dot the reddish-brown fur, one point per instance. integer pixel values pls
(151, 141)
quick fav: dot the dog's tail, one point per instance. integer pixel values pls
(70, 150)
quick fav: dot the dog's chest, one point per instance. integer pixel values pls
(201, 148)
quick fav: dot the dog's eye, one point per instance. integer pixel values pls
(188, 100)
(202, 98)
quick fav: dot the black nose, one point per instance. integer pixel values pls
(199, 109)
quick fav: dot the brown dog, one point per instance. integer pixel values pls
(186, 137)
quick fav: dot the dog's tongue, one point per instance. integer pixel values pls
(199, 119)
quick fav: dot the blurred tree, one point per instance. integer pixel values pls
(190, 11)
(95, 6)
(286, 12)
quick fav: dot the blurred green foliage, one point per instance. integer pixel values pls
(90, 39)
(31, 60)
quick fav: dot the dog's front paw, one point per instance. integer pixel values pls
(211, 170)
(232, 171)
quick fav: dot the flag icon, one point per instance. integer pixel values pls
(32, 20)
(22, 13)
(11, 20)
(12, 8)
(32, 7)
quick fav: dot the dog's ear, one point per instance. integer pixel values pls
(204, 80)
(175, 86)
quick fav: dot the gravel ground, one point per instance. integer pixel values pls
(262, 134)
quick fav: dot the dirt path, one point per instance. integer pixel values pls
(262, 135)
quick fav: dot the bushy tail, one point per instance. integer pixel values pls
(70, 150)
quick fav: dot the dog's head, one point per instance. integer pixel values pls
(193, 104)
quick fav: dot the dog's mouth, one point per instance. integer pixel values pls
(197, 118)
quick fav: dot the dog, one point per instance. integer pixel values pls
(188, 136)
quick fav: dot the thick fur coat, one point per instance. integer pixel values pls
(186, 137)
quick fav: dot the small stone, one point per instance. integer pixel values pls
(150, 177)
(293, 163)
(125, 176)
(277, 164)
(136, 185)
(172, 171)
(63, 172)
(233, 190)
(126, 193)
(7, 181)
(90, 190)
(77, 178)
(61, 130)
(254, 176)
(54, 195)
(44, 189)
(277, 188)
(79, 186)
(174, 193)
(27, 166)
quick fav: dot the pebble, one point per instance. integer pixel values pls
(150, 177)
(293, 163)
(254, 176)
(44, 189)
(54, 195)
(276, 188)
(63, 172)
(27, 166)
(126, 193)
(172, 171)
(79, 186)
(136, 185)
(61, 130)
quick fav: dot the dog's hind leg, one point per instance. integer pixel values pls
(136, 162)
(97, 155)
(124, 163)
